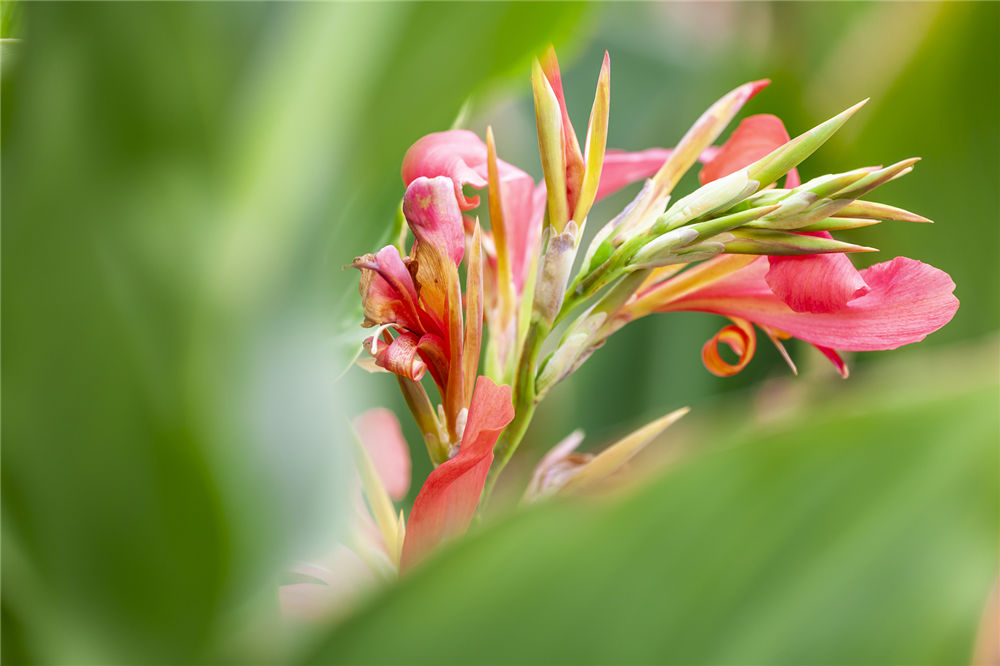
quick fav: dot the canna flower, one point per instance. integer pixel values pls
(419, 299)
(573, 181)
(819, 298)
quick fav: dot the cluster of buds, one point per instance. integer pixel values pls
(739, 246)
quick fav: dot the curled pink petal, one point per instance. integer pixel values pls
(448, 499)
(754, 137)
(432, 211)
(383, 439)
(400, 356)
(453, 153)
(907, 301)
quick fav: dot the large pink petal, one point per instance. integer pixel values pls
(432, 211)
(755, 137)
(383, 439)
(907, 301)
(446, 503)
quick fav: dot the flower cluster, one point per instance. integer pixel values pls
(754, 243)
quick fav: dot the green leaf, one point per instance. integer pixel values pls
(856, 536)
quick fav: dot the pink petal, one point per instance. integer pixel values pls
(834, 358)
(461, 156)
(432, 211)
(400, 356)
(454, 154)
(383, 439)
(622, 168)
(446, 503)
(755, 137)
(523, 212)
(388, 294)
(815, 283)
(907, 301)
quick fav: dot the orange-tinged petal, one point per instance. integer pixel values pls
(740, 337)
(472, 342)
(573, 158)
(597, 140)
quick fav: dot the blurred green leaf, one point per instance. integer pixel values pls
(851, 537)
(177, 180)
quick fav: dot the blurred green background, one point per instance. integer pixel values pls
(184, 182)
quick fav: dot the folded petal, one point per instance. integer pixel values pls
(455, 154)
(383, 439)
(400, 356)
(816, 282)
(388, 294)
(907, 301)
(446, 503)
(755, 137)
(432, 211)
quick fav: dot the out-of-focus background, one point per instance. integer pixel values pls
(182, 185)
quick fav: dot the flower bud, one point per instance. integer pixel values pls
(554, 273)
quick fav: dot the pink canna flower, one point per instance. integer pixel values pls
(821, 299)
(462, 156)
(905, 301)
(419, 298)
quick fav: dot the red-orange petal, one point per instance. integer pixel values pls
(448, 499)
(740, 337)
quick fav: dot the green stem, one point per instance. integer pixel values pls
(586, 286)
(524, 407)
